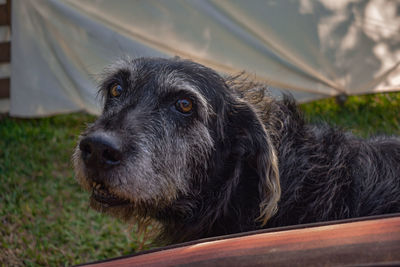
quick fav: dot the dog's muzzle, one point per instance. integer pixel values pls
(100, 153)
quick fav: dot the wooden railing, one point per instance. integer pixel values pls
(5, 48)
(373, 241)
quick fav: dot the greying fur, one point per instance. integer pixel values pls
(228, 164)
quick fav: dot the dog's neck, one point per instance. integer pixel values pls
(224, 206)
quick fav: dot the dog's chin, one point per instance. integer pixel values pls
(102, 197)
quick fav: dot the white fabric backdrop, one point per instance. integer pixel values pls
(313, 48)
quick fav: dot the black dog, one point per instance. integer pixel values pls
(202, 156)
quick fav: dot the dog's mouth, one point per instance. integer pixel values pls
(102, 195)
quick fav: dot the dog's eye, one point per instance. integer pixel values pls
(116, 90)
(184, 105)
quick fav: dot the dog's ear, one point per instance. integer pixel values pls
(260, 155)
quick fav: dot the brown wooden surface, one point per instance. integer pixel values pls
(369, 242)
(5, 13)
(5, 52)
(4, 88)
(5, 48)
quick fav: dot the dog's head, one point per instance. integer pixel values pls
(166, 126)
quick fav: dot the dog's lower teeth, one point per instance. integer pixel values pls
(101, 193)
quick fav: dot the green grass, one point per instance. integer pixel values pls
(44, 215)
(365, 115)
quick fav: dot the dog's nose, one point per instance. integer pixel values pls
(100, 151)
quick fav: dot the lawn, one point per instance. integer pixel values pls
(44, 215)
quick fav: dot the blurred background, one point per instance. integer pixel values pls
(343, 53)
(314, 49)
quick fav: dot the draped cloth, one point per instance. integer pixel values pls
(313, 49)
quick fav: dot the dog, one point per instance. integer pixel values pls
(199, 155)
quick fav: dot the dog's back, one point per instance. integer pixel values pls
(328, 174)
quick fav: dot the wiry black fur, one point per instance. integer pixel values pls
(327, 174)
(324, 173)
